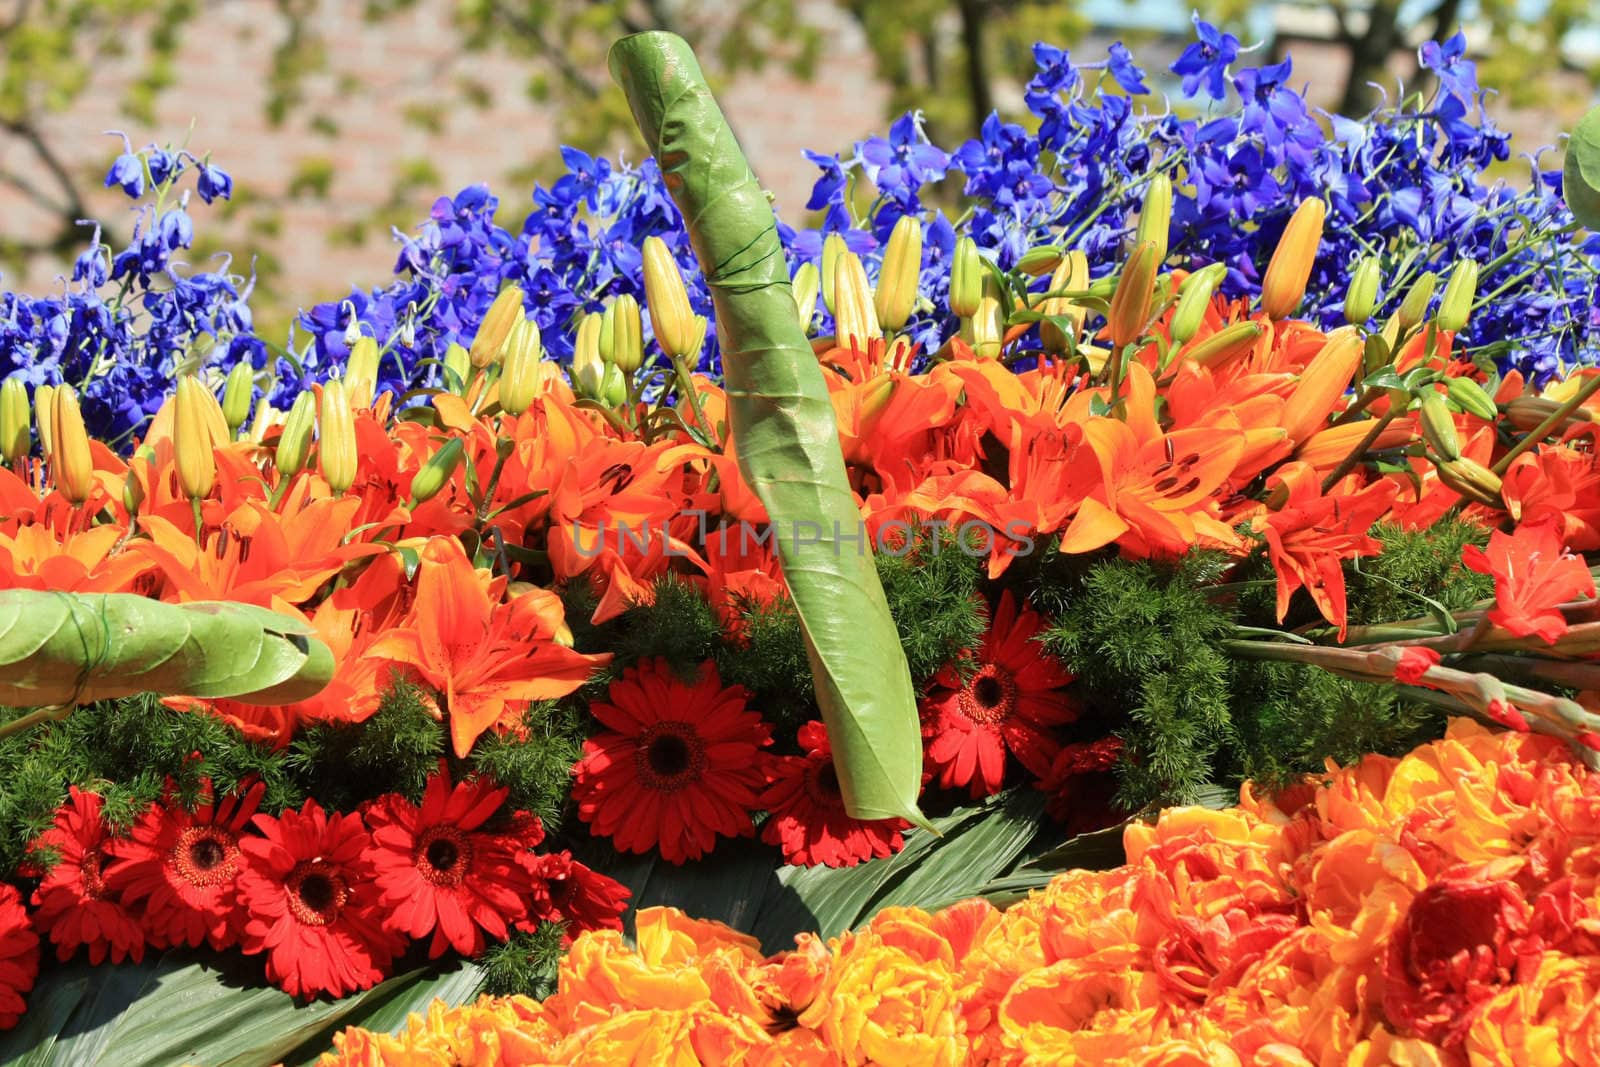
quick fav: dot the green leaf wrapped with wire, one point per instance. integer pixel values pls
(63, 649)
(783, 423)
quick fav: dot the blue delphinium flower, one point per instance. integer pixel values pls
(127, 171)
(1204, 63)
(214, 183)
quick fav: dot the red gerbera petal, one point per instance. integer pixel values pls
(313, 903)
(1010, 703)
(19, 956)
(677, 767)
(440, 874)
(808, 820)
(181, 868)
(566, 891)
(75, 905)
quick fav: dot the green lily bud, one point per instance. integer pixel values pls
(588, 369)
(238, 395)
(613, 386)
(621, 327)
(1470, 397)
(361, 372)
(1194, 299)
(1415, 304)
(897, 279)
(966, 278)
(666, 297)
(1071, 275)
(832, 247)
(433, 475)
(1361, 297)
(459, 363)
(1155, 217)
(1456, 305)
(807, 283)
(294, 443)
(1438, 425)
(521, 367)
(1375, 354)
(14, 428)
(1037, 262)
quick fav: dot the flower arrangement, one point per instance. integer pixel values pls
(1125, 510)
(1438, 907)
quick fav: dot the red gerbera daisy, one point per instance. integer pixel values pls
(808, 818)
(565, 891)
(440, 874)
(1081, 784)
(677, 766)
(19, 956)
(1010, 702)
(184, 865)
(75, 904)
(313, 903)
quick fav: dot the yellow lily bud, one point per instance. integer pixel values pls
(237, 396)
(902, 268)
(1438, 425)
(1361, 298)
(625, 333)
(433, 475)
(1284, 284)
(497, 322)
(855, 317)
(588, 370)
(807, 283)
(1375, 354)
(966, 278)
(459, 363)
(1226, 345)
(44, 408)
(1155, 217)
(192, 445)
(266, 417)
(336, 438)
(14, 429)
(985, 330)
(1130, 304)
(1071, 275)
(71, 463)
(1194, 299)
(833, 247)
(1415, 305)
(522, 369)
(1455, 307)
(1321, 384)
(294, 443)
(1527, 412)
(671, 317)
(361, 373)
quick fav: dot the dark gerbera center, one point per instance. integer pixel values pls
(91, 866)
(822, 785)
(670, 754)
(205, 856)
(991, 695)
(443, 853)
(317, 893)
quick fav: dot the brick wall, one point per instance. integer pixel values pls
(407, 61)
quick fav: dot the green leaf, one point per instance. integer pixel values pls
(1580, 179)
(782, 419)
(63, 648)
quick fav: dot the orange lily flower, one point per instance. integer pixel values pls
(1163, 488)
(1560, 485)
(1312, 533)
(482, 657)
(1533, 575)
(37, 558)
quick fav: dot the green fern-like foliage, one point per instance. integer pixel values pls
(1417, 566)
(535, 762)
(526, 963)
(393, 751)
(934, 598)
(1142, 638)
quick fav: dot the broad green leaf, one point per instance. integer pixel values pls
(782, 420)
(63, 648)
(1581, 176)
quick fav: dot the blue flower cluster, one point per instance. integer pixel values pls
(128, 320)
(1408, 182)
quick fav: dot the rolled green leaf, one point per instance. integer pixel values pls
(1581, 175)
(75, 648)
(781, 417)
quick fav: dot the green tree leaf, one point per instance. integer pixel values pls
(783, 422)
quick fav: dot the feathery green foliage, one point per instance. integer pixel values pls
(526, 963)
(1417, 566)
